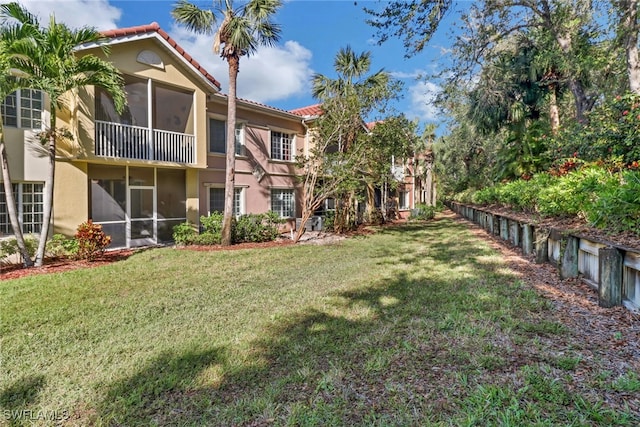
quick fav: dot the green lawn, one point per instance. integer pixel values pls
(414, 325)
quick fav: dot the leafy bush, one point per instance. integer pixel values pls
(208, 239)
(329, 220)
(59, 246)
(212, 223)
(92, 241)
(247, 228)
(576, 192)
(9, 246)
(184, 234)
(613, 131)
(257, 227)
(423, 212)
(618, 204)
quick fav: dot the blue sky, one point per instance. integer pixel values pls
(312, 33)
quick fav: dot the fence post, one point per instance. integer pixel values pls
(569, 260)
(541, 246)
(610, 284)
(527, 239)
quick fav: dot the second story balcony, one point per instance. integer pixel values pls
(156, 125)
(141, 143)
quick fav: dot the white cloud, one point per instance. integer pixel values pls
(270, 74)
(422, 96)
(76, 13)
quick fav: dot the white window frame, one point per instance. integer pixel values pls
(292, 150)
(19, 96)
(238, 192)
(403, 200)
(293, 201)
(20, 195)
(239, 136)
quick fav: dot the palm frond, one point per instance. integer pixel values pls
(14, 11)
(201, 21)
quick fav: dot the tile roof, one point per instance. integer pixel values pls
(311, 110)
(155, 28)
(258, 104)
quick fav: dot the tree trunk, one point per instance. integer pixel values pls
(575, 85)
(554, 112)
(48, 189)
(371, 215)
(229, 183)
(11, 203)
(629, 22)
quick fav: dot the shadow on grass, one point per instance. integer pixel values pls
(22, 392)
(158, 392)
(397, 351)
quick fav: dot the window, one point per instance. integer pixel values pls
(281, 146)
(29, 201)
(403, 200)
(218, 137)
(282, 203)
(216, 200)
(23, 108)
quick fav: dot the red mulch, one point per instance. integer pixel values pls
(16, 271)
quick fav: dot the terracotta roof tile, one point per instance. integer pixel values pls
(311, 110)
(154, 27)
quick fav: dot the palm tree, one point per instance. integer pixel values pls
(13, 39)
(240, 33)
(54, 68)
(354, 94)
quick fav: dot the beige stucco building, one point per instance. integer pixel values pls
(159, 163)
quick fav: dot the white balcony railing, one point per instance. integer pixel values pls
(136, 142)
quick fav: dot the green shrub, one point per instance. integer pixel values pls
(257, 227)
(423, 212)
(92, 241)
(9, 246)
(60, 246)
(208, 239)
(575, 193)
(184, 234)
(212, 223)
(617, 206)
(329, 220)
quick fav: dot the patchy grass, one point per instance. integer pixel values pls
(415, 325)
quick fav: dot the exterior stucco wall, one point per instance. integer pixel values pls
(174, 73)
(71, 197)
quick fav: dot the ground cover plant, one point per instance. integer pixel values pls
(420, 324)
(602, 196)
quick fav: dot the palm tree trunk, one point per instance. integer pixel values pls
(11, 203)
(48, 188)
(229, 183)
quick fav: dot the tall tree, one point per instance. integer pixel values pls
(15, 40)
(53, 67)
(356, 92)
(628, 29)
(240, 33)
(571, 24)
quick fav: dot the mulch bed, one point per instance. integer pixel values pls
(15, 271)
